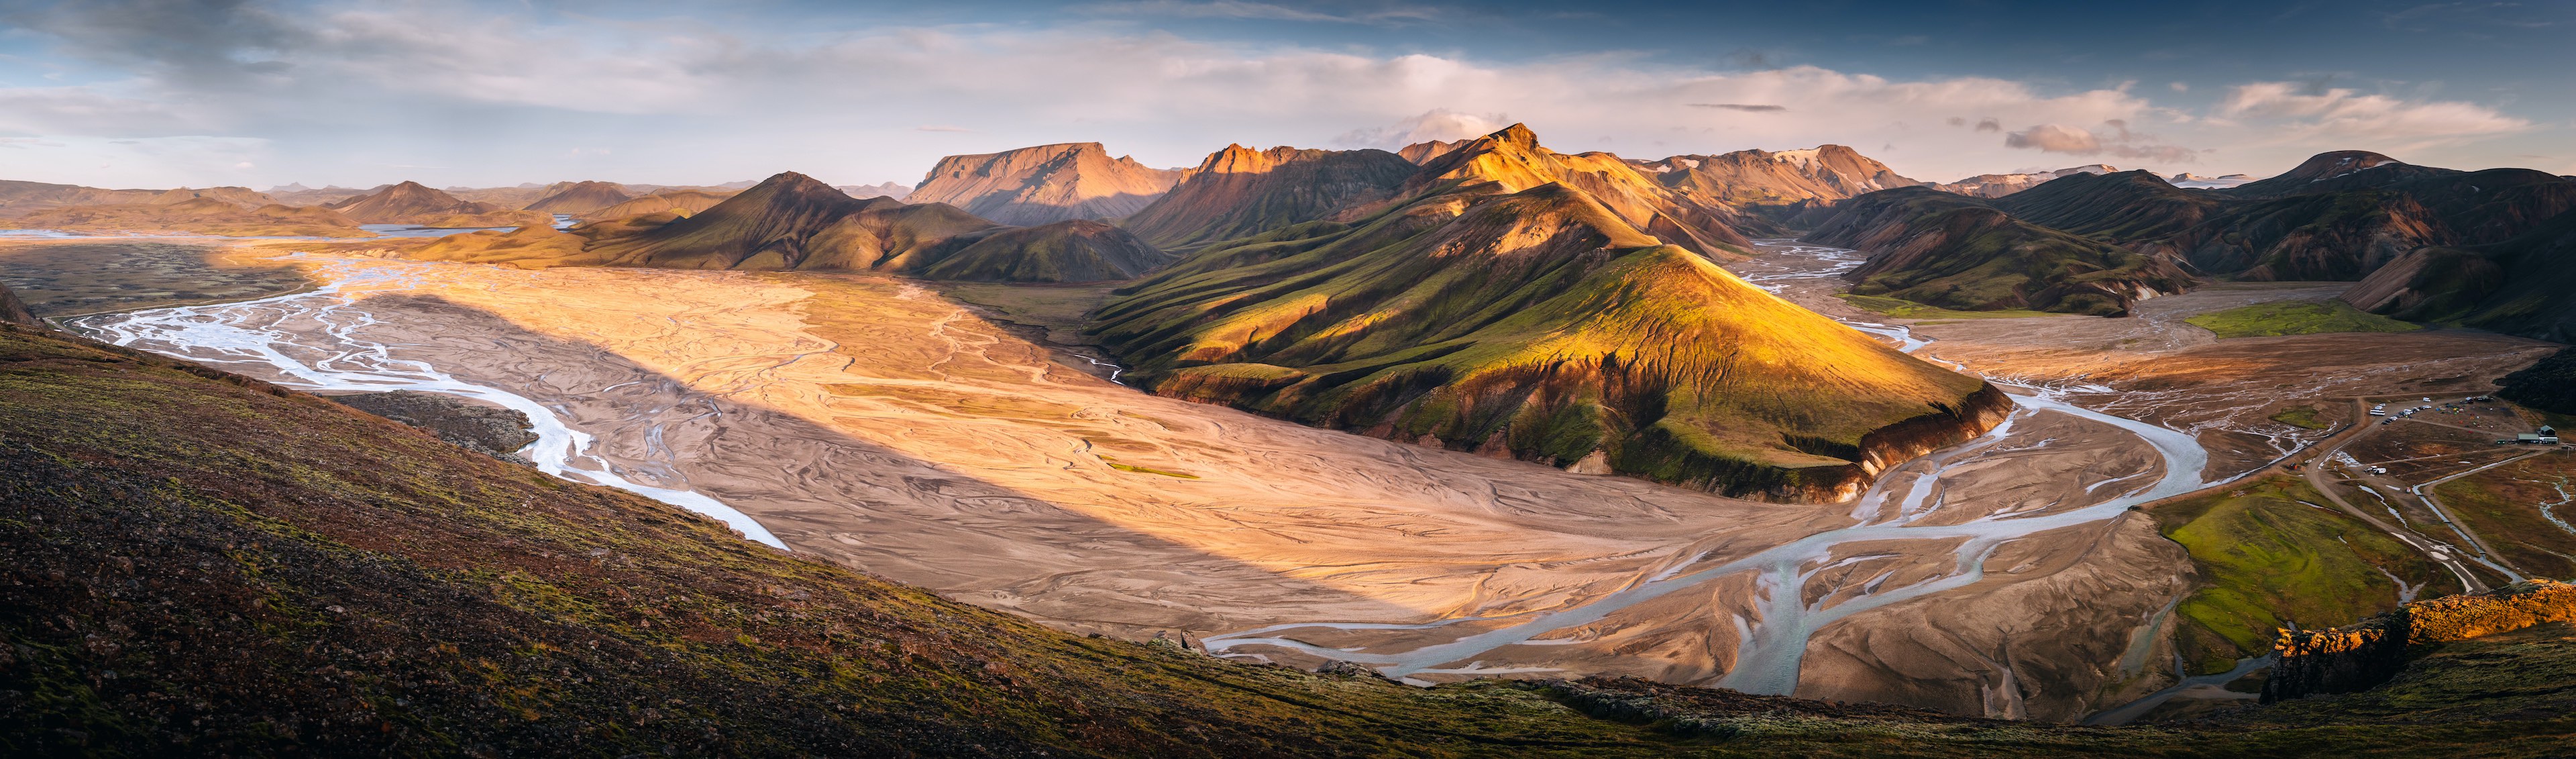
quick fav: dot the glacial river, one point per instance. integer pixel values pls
(1772, 648)
(327, 350)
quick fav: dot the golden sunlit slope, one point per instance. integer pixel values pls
(1513, 160)
(581, 197)
(1543, 325)
(1045, 183)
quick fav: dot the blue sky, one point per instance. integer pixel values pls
(165, 93)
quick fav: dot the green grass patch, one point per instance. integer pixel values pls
(2304, 417)
(2296, 318)
(2266, 559)
(1906, 309)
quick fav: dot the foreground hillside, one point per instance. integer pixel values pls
(1495, 312)
(202, 564)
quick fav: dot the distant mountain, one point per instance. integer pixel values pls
(197, 215)
(895, 190)
(2117, 206)
(1422, 152)
(1498, 305)
(2334, 165)
(1046, 183)
(242, 197)
(22, 197)
(580, 197)
(413, 203)
(1958, 252)
(683, 201)
(1239, 192)
(300, 195)
(1999, 185)
(792, 222)
(2190, 181)
(1762, 177)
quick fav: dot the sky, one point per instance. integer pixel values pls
(163, 93)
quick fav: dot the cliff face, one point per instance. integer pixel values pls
(1044, 184)
(2357, 656)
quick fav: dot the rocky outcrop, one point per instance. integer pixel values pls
(14, 310)
(2361, 655)
(1044, 184)
(494, 432)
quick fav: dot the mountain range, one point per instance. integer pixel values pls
(1044, 184)
(2338, 216)
(792, 222)
(416, 204)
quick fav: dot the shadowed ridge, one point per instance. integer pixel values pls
(1953, 251)
(1239, 192)
(776, 218)
(2524, 286)
(1542, 325)
(2119, 206)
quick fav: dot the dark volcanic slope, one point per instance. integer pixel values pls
(2347, 233)
(1541, 325)
(792, 222)
(1959, 252)
(2523, 286)
(2120, 206)
(1239, 192)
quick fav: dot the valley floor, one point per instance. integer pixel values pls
(896, 430)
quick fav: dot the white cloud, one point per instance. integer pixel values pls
(2301, 113)
(507, 98)
(1436, 124)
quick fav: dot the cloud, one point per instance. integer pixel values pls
(1238, 9)
(1436, 124)
(2309, 111)
(2116, 141)
(1751, 107)
(1989, 125)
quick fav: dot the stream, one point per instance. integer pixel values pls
(1772, 649)
(252, 332)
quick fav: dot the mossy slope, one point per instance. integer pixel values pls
(1542, 325)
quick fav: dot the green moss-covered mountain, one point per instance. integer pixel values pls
(1542, 325)
(791, 222)
(201, 564)
(1954, 251)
